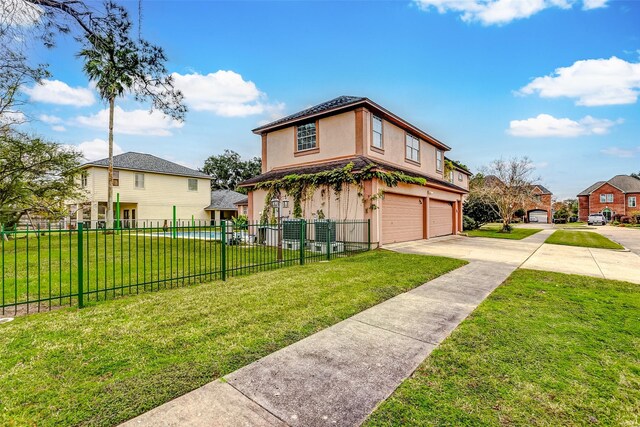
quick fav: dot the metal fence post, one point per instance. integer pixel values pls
(328, 240)
(80, 267)
(223, 253)
(369, 234)
(303, 239)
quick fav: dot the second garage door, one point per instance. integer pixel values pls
(440, 218)
(538, 216)
(402, 218)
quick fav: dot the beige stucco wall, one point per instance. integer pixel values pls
(156, 200)
(393, 143)
(336, 138)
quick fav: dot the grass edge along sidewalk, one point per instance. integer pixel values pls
(543, 349)
(586, 239)
(111, 361)
(495, 233)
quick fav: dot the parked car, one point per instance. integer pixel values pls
(596, 219)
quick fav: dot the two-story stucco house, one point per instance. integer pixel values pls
(355, 130)
(618, 196)
(148, 188)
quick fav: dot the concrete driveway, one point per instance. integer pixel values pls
(534, 254)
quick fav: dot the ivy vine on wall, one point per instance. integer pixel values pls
(301, 186)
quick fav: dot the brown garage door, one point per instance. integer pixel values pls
(440, 218)
(402, 218)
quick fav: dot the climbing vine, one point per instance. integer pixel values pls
(301, 186)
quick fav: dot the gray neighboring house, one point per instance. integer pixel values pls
(226, 204)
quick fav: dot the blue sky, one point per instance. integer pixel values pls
(556, 80)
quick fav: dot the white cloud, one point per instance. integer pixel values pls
(57, 92)
(545, 125)
(497, 12)
(135, 122)
(620, 152)
(19, 13)
(97, 149)
(52, 120)
(592, 82)
(224, 93)
(59, 128)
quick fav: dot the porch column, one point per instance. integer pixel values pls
(94, 214)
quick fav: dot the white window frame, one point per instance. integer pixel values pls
(635, 202)
(192, 181)
(609, 198)
(115, 178)
(305, 136)
(438, 161)
(375, 132)
(459, 176)
(412, 148)
(84, 179)
(137, 179)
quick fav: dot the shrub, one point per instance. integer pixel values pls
(468, 223)
(240, 222)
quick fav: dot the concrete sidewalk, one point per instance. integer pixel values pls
(338, 376)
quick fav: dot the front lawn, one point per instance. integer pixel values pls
(545, 349)
(117, 359)
(495, 232)
(587, 239)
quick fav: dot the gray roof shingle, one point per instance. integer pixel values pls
(626, 183)
(359, 163)
(340, 101)
(224, 200)
(147, 163)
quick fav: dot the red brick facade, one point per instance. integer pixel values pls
(619, 206)
(543, 203)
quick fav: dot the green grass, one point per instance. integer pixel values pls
(46, 266)
(114, 360)
(545, 349)
(494, 232)
(587, 239)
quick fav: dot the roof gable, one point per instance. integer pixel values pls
(147, 163)
(624, 183)
(225, 200)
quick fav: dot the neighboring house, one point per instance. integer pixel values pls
(354, 130)
(148, 188)
(618, 196)
(539, 210)
(224, 205)
(243, 206)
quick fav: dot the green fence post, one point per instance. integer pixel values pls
(303, 239)
(328, 240)
(369, 234)
(80, 267)
(175, 224)
(223, 253)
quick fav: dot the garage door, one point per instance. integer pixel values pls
(440, 218)
(402, 218)
(538, 216)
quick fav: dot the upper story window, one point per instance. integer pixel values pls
(84, 179)
(139, 180)
(632, 201)
(193, 184)
(460, 176)
(451, 176)
(377, 132)
(606, 198)
(412, 151)
(438, 161)
(306, 138)
(116, 179)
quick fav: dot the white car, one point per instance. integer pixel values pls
(596, 219)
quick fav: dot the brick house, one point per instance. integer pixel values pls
(358, 133)
(539, 210)
(618, 196)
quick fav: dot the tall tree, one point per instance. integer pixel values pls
(227, 170)
(508, 185)
(635, 175)
(35, 176)
(120, 64)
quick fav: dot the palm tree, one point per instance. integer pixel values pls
(119, 64)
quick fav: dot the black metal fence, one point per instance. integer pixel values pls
(51, 267)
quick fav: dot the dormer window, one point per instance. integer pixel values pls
(306, 138)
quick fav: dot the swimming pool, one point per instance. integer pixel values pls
(196, 234)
